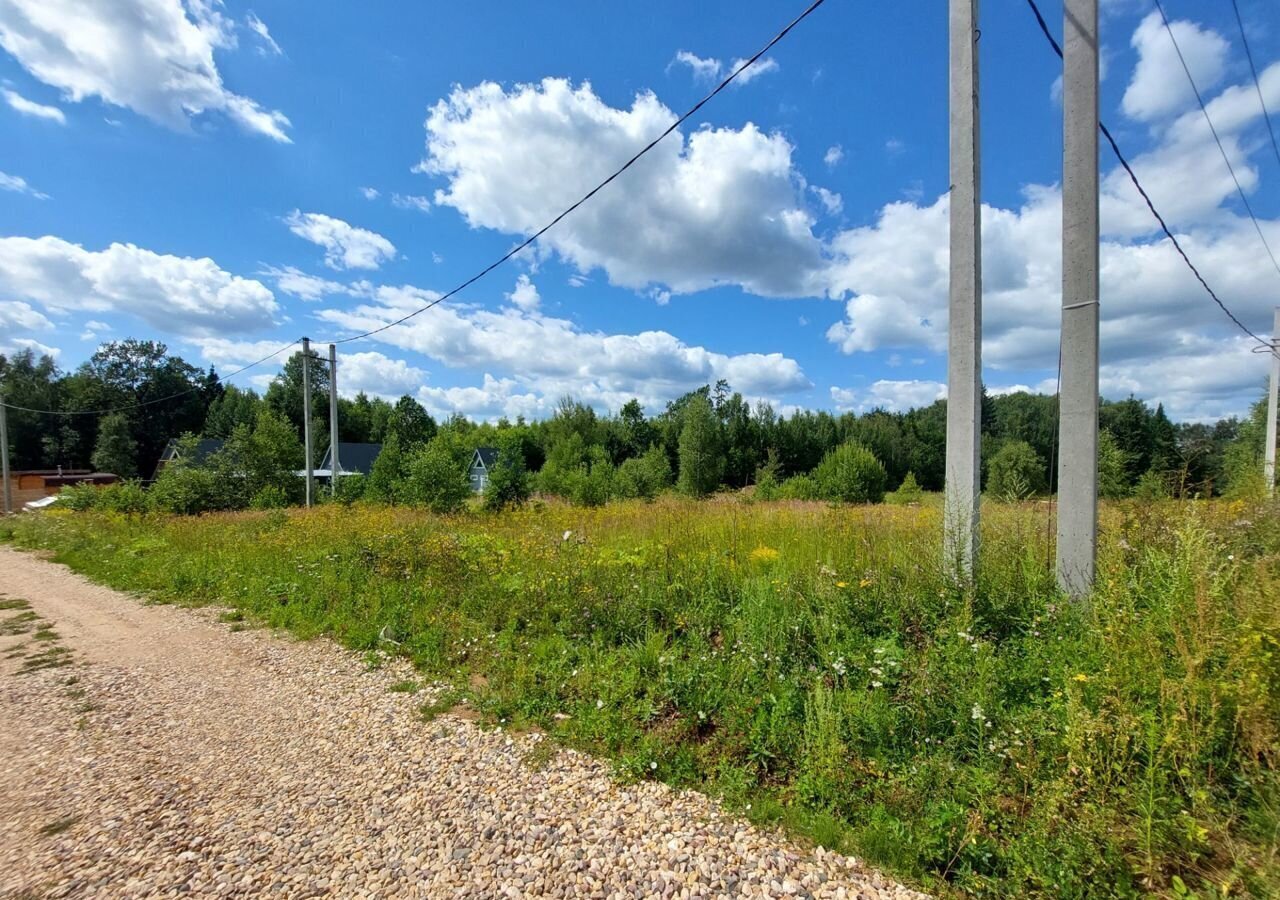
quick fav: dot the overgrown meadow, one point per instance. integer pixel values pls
(813, 666)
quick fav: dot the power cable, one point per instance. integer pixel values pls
(128, 406)
(746, 64)
(1115, 148)
(1266, 116)
(1214, 131)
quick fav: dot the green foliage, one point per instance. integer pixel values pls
(116, 450)
(350, 489)
(411, 424)
(769, 478)
(387, 475)
(701, 452)
(1242, 461)
(850, 474)
(907, 493)
(644, 477)
(811, 661)
(1113, 467)
(508, 478)
(1015, 472)
(436, 478)
(1153, 485)
(799, 487)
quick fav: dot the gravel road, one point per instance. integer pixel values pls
(152, 751)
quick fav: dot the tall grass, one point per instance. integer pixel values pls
(815, 667)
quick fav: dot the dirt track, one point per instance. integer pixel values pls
(161, 753)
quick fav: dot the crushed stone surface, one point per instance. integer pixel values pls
(154, 751)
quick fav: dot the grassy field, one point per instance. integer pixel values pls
(813, 666)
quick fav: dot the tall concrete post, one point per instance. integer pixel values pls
(333, 420)
(1078, 399)
(306, 415)
(4, 456)
(1269, 452)
(964, 347)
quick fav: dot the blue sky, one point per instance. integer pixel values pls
(229, 176)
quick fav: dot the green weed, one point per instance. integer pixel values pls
(816, 667)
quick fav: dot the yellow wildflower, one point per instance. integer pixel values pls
(764, 555)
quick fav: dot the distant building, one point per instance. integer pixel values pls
(36, 484)
(353, 459)
(481, 465)
(202, 450)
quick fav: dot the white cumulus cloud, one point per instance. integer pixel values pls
(155, 57)
(345, 246)
(721, 206)
(172, 293)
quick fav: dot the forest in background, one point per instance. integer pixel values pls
(707, 440)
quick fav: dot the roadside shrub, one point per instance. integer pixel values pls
(435, 479)
(907, 493)
(850, 474)
(123, 497)
(350, 489)
(768, 478)
(189, 490)
(798, 487)
(1015, 472)
(644, 477)
(270, 496)
(509, 478)
(78, 497)
(387, 475)
(592, 484)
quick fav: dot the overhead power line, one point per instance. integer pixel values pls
(1177, 245)
(1214, 131)
(746, 64)
(1266, 116)
(167, 397)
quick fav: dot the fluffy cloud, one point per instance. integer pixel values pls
(1162, 337)
(548, 357)
(152, 56)
(1159, 86)
(226, 352)
(895, 396)
(762, 66)
(31, 108)
(377, 375)
(721, 206)
(17, 345)
(172, 293)
(15, 314)
(297, 283)
(710, 68)
(703, 69)
(345, 246)
(18, 185)
(831, 201)
(833, 156)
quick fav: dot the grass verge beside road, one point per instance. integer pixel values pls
(813, 666)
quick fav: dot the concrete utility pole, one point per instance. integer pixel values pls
(964, 348)
(1269, 452)
(333, 419)
(1078, 398)
(4, 455)
(306, 414)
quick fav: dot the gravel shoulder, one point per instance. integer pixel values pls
(152, 751)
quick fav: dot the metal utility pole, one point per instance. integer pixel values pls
(4, 455)
(1078, 403)
(964, 349)
(1269, 452)
(333, 419)
(306, 414)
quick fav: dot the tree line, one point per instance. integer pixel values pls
(707, 440)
